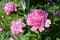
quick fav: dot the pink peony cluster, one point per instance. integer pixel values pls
(17, 26)
(38, 20)
(10, 7)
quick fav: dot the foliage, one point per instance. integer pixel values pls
(51, 33)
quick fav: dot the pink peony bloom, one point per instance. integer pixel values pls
(1, 29)
(11, 38)
(17, 26)
(37, 19)
(10, 7)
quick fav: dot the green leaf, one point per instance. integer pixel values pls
(22, 37)
(14, 36)
(48, 38)
(3, 36)
(56, 18)
(57, 39)
(30, 35)
(36, 32)
(7, 36)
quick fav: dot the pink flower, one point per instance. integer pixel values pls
(11, 38)
(10, 7)
(1, 29)
(37, 19)
(17, 26)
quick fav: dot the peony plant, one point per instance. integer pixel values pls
(10, 7)
(29, 20)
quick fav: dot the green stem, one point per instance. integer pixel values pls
(39, 37)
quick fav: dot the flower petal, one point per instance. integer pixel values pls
(48, 22)
(47, 25)
(11, 38)
(41, 29)
(34, 28)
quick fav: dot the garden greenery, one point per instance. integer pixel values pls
(29, 19)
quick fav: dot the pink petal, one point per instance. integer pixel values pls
(48, 22)
(21, 31)
(1, 29)
(23, 24)
(15, 9)
(34, 28)
(7, 13)
(41, 29)
(47, 25)
(11, 38)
